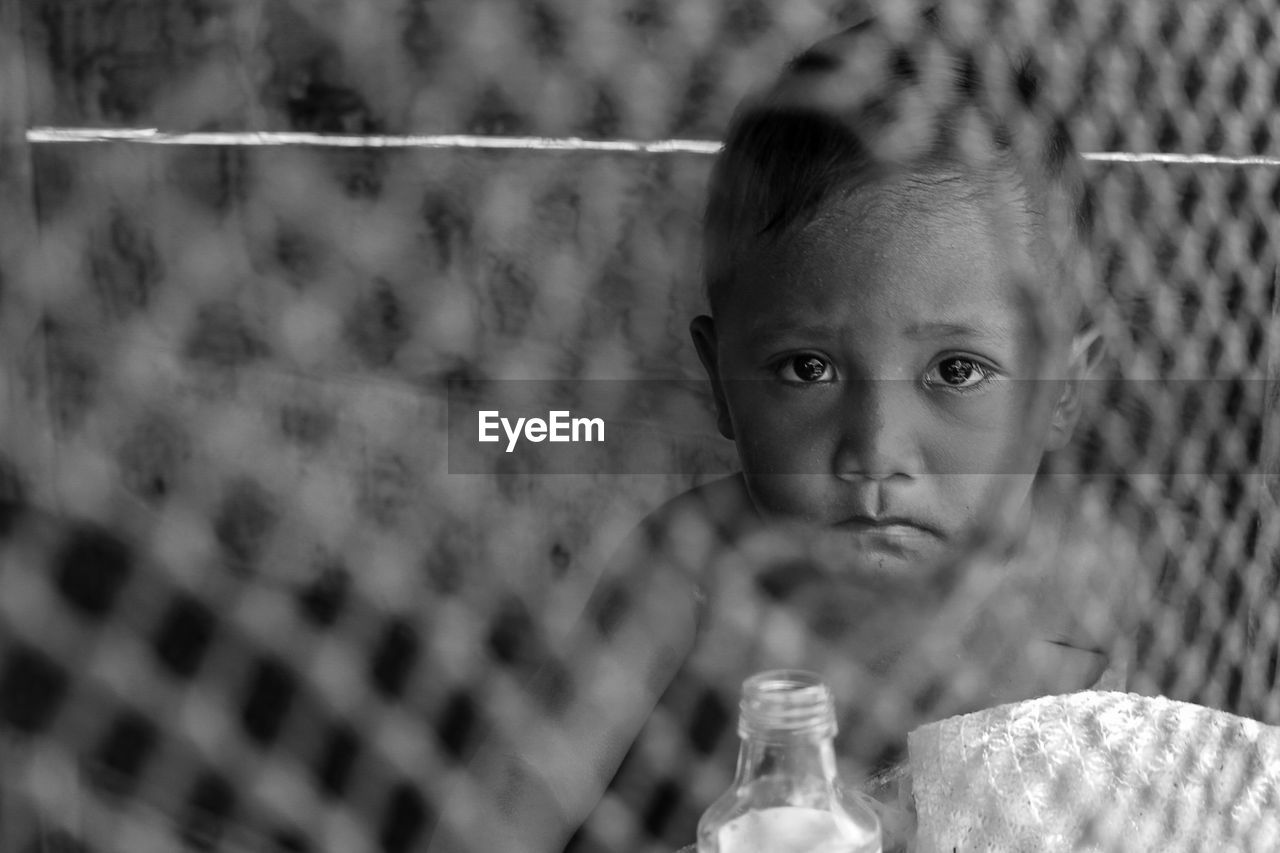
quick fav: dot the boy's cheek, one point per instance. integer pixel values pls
(1011, 442)
(982, 454)
(787, 497)
(777, 440)
(762, 455)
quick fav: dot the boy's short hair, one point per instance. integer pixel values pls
(834, 122)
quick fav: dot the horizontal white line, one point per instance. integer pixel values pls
(1181, 159)
(152, 136)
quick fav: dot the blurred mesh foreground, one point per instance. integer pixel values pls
(243, 603)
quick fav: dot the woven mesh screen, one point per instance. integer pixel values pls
(247, 600)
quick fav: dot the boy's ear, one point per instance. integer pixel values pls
(1082, 363)
(703, 330)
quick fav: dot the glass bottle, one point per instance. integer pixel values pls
(786, 795)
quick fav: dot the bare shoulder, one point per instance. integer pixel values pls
(720, 505)
(671, 549)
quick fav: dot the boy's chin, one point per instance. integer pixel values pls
(881, 556)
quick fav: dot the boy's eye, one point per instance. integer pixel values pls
(959, 372)
(805, 368)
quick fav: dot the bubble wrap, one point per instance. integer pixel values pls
(1097, 771)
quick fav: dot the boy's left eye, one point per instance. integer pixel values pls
(959, 372)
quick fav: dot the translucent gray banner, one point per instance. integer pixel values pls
(655, 426)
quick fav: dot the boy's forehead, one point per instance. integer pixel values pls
(927, 197)
(930, 252)
(921, 226)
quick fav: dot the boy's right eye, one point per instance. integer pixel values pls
(806, 368)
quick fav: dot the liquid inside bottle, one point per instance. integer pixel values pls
(786, 796)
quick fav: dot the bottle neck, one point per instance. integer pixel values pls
(802, 758)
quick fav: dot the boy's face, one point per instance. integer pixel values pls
(895, 374)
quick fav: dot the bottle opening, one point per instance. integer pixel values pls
(786, 702)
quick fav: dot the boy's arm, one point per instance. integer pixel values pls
(1097, 581)
(545, 766)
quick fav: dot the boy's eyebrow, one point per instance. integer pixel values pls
(957, 329)
(766, 332)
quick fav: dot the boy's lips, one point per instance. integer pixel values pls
(889, 526)
(880, 548)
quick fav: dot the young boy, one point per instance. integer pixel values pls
(895, 340)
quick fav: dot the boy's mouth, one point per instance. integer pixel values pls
(878, 549)
(889, 526)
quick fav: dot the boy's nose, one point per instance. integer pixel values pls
(876, 431)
